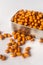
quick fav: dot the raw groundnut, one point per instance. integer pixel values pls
(0, 32)
(13, 55)
(5, 35)
(9, 35)
(22, 42)
(13, 33)
(7, 51)
(27, 48)
(15, 51)
(19, 43)
(23, 38)
(41, 40)
(28, 37)
(9, 44)
(22, 35)
(11, 50)
(1, 37)
(15, 46)
(25, 55)
(32, 39)
(15, 36)
(19, 39)
(18, 53)
(19, 49)
(2, 57)
(11, 40)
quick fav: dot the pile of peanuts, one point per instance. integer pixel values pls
(14, 47)
(32, 19)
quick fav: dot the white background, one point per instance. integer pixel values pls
(7, 9)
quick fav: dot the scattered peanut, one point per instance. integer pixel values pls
(7, 51)
(9, 35)
(2, 57)
(27, 48)
(41, 40)
(5, 35)
(0, 32)
(1, 37)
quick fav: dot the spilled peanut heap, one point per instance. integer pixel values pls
(14, 47)
(15, 43)
(32, 19)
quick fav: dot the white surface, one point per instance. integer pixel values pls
(7, 9)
